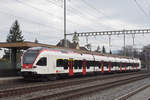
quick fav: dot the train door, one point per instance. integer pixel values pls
(84, 67)
(71, 73)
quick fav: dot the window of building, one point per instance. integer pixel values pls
(42, 62)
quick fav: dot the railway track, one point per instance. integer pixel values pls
(130, 94)
(21, 83)
(75, 92)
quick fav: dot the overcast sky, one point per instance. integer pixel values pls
(43, 19)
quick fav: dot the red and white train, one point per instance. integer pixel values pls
(39, 62)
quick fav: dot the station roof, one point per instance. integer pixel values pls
(23, 45)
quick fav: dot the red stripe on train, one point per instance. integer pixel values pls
(120, 67)
(102, 67)
(71, 67)
(110, 67)
(84, 67)
(27, 66)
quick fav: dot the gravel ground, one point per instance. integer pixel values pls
(98, 96)
(143, 95)
(22, 83)
(114, 93)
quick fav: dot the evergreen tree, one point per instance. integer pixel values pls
(110, 52)
(98, 49)
(14, 36)
(75, 38)
(15, 33)
(36, 41)
(103, 50)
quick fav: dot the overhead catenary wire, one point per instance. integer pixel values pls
(93, 7)
(28, 20)
(70, 21)
(141, 8)
(42, 10)
(88, 16)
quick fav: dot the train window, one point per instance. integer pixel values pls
(42, 62)
(123, 65)
(113, 64)
(91, 63)
(137, 64)
(106, 64)
(65, 64)
(80, 64)
(98, 63)
(118, 64)
(129, 64)
(87, 65)
(76, 63)
(59, 62)
(95, 63)
(30, 56)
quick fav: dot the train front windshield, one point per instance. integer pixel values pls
(30, 56)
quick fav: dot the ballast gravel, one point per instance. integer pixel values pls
(109, 94)
(116, 92)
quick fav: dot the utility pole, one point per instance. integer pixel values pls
(65, 42)
(133, 37)
(124, 44)
(109, 41)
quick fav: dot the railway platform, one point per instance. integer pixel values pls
(4, 80)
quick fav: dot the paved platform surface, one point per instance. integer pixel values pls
(143, 95)
(9, 79)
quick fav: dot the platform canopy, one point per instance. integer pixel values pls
(23, 45)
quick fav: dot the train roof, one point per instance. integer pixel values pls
(68, 50)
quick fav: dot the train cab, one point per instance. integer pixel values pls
(33, 60)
